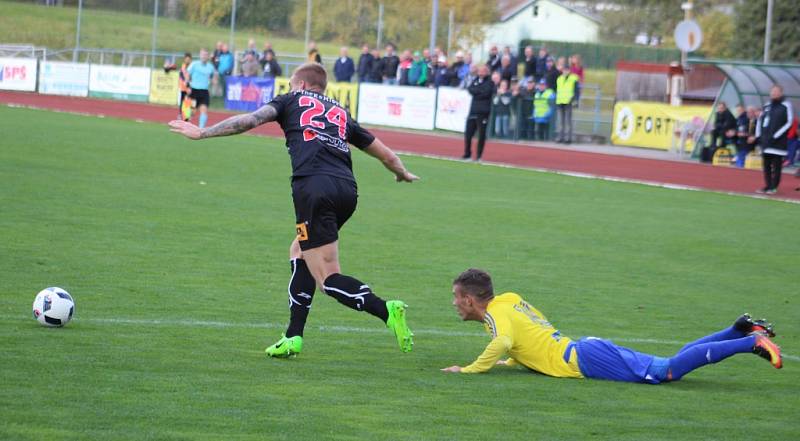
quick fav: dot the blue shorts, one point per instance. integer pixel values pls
(601, 359)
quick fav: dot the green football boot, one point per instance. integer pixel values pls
(286, 347)
(397, 323)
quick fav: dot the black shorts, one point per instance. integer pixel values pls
(322, 204)
(200, 96)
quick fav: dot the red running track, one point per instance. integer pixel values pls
(674, 173)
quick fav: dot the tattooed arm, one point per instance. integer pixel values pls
(231, 126)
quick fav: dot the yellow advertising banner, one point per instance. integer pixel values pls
(164, 87)
(652, 125)
(345, 93)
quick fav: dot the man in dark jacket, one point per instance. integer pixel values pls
(364, 64)
(389, 66)
(442, 75)
(481, 90)
(344, 68)
(772, 130)
(541, 64)
(494, 59)
(375, 74)
(724, 127)
(530, 66)
(508, 70)
(271, 66)
(551, 73)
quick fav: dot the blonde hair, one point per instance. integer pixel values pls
(313, 74)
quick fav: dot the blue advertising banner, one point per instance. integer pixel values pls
(248, 93)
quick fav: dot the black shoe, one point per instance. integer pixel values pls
(746, 324)
(466, 157)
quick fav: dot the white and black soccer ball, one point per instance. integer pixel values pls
(53, 307)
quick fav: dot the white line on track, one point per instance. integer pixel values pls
(331, 329)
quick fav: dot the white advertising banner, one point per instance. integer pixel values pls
(62, 78)
(452, 108)
(18, 74)
(118, 82)
(397, 106)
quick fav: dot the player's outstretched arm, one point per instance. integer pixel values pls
(231, 126)
(490, 357)
(390, 160)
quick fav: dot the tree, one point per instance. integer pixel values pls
(718, 34)
(624, 20)
(207, 12)
(406, 22)
(271, 15)
(751, 17)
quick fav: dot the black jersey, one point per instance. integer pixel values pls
(318, 131)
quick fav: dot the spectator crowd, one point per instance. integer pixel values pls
(526, 95)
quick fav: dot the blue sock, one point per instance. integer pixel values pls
(702, 354)
(203, 119)
(726, 334)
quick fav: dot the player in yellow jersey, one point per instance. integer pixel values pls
(524, 334)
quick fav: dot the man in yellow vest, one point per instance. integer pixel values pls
(566, 85)
(543, 101)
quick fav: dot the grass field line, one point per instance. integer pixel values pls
(603, 177)
(332, 329)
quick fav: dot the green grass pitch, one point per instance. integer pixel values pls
(176, 254)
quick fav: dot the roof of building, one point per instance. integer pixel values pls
(753, 81)
(509, 8)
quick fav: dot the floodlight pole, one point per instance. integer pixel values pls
(434, 21)
(687, 15)
(77, 33)
(768, 36)
(380, 25)
(233, 27)
(155, 33)
(450, 20)
(308, 22)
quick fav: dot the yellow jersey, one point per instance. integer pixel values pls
(521, 331)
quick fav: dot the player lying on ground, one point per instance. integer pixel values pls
(324, 191)
(525, 334)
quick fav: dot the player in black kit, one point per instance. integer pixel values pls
(324, 191)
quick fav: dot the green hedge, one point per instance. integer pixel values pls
(603, 56)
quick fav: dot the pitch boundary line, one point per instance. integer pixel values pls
(332, 329)
(604, 177)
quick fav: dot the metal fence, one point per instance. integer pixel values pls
(126, 57)
(591, 118)
(22, 50)
(604, 56)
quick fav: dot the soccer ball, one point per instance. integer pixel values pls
(53, 307)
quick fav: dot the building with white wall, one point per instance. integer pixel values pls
(550, 20)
